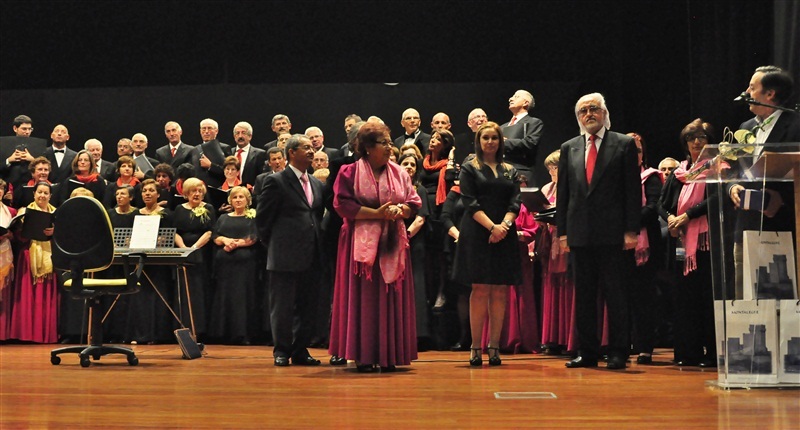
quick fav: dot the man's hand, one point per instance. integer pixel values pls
(562, 242)
(734, 195)
(205, 162)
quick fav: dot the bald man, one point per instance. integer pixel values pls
(412, 133)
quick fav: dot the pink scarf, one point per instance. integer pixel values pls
(380, 238)
(643, 245)
(695, 236)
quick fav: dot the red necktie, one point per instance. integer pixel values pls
(239, 157)
(173, 151)
(513, 121)
(591, 159)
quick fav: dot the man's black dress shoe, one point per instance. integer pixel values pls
(615, 363)
(644, 359)
(581, 362)
(338, 361)
(281, 361)
(305, 361)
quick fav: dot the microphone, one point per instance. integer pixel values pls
(743, 97)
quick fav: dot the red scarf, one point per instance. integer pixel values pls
(92, 177)
(695, 236)
(133, 182)
(179, 186)
(31, 183)
(441, 166)
(225, 186)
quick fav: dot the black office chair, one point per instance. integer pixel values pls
(83, 242)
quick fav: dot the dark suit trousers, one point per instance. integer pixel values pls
(601, 269)
(292, 310)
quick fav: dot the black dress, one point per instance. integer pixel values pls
(477, 261)
(114, 326)
(417, 250)
(234, 305)
(149, 320)
(190, 227)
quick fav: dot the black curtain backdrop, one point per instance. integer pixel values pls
(110, 69)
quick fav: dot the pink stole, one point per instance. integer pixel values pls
(696, 233)
(380, 238)
(643, 245)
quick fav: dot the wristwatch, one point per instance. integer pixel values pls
(508, 223)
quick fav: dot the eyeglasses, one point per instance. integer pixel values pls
(384, 143)
(590, 109)
(693, 137)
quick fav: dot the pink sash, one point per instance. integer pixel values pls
(696, 233)
(380, 238)
(643, 245)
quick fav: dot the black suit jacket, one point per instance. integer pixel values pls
(182, 155)
(786, 129)
(422, 141)
(253, 165)
(108, 170)
(288, 226)
(59, 174)
(521, 144)
(601, 213)
(215, 151)
(332, 152)
(17, 173)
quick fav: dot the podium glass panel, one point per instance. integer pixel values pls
(755, 258)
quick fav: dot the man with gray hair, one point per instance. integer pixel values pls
(106, 169)
(412, 133)
(252, 160)
(465, 142)
(280, 124)
(599, 201)
(144, 164)
(318, 141)
(209, 156)
(175, 152)
(522, 135)
(440, 121)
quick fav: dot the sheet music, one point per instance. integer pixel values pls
(145, 231)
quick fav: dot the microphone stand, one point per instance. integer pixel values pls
(750, 100)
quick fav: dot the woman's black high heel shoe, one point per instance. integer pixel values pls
(475, 358)
(494, 359)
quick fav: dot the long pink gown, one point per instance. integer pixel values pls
(371, 322)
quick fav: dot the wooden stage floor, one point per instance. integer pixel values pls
(238, 387)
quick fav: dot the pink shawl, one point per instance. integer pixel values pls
(643, 245)
(381, 238)
(695, 236)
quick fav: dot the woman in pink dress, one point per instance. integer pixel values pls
(558, 290)
(6, 266)
(373, 318)
(34, 315)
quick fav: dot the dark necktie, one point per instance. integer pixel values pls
(61, 151)
(591, 159)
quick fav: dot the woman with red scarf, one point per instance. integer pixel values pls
(125, 178)
(84, 174)
(434, 178)
(684, 205)
(373, 316)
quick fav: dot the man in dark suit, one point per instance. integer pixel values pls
(318, 141)
(280, 124)
(346, 150)
(288, 216)
(59, 155)
(522, 135)
(465, 142)
(209, 156)
(16, 152)
(411, 122)
(599, 202)
(106, 169)
(175, 152)
(769, 85)
(252, 160)
(143, 164)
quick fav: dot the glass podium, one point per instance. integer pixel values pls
(755, 258)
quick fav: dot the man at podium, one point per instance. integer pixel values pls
(770, 88)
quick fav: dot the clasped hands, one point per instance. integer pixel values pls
(390, 211)
(232, 244)
(498, 232)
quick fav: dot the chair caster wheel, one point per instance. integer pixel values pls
(55, 360)
(133, 361)
(85, 362)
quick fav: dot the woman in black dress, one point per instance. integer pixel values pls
(149, 320)
(487, 253)
(234, 309)
(416, 239)
(194, 221)
(121, 216)
(125, 169)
